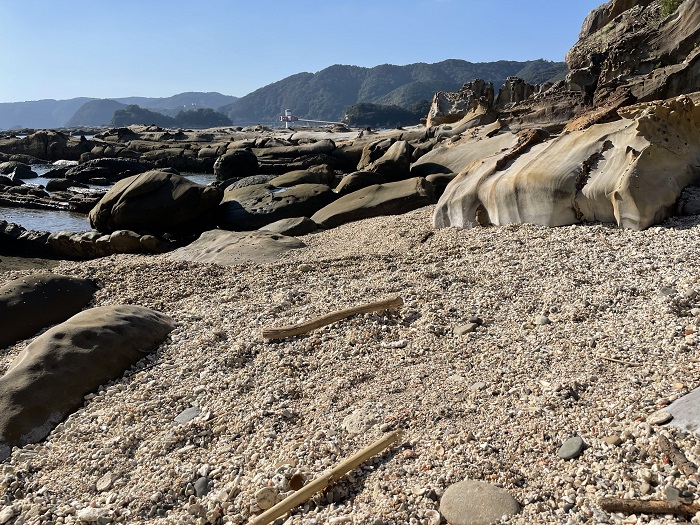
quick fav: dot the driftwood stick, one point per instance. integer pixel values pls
(326, 479)
(620, 361)
(652, 506)
(289, 331)
(676, 456)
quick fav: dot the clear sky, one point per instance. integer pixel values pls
(157, 48)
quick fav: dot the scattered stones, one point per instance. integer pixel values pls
(571, 448)
(360, 421)
(476, 503)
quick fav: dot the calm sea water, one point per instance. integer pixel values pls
(55, 220)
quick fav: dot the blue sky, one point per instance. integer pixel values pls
(156, 48)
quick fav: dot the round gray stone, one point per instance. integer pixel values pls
(571, 448)
(476, 503)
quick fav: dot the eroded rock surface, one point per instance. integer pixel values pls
(630, 172)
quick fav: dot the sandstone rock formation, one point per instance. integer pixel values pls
(31, 303)
(156, 202)
(48, 379)
(228, 248)
(382, 199)
(474, 102)
(630, 172)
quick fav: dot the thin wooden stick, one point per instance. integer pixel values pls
(620, 361)
(652, 506)
(300, 496)
(289, 331)
(676, 456)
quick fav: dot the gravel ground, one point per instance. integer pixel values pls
(578, 331)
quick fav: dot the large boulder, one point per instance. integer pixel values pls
(395, 164)
(156, 202)
(49, 378)
(237, 163)
(31, 303)
(229, 248)
(17, 170)
(630, 172)
(358, 180)
(255, 206)
(392, 198)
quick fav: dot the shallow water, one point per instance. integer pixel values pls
(45, 220)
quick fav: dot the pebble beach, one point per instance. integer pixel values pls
(511, 341)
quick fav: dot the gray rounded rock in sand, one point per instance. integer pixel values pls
(476, 503)
(49, 378)
(571, 448)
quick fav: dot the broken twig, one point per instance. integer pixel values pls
(652, 506)
(619, 361)
(676, 456)
(326, 479)
(307, 326)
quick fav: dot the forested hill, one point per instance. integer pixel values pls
(325, 95)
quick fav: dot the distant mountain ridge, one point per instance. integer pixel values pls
(87, 111)
(326, 94)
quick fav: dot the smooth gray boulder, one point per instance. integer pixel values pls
(228, 248)
(49, 378)
(358, 180)
(156, 202)
(395, 164)
(392, 198)
(31, 303)
(255, 206)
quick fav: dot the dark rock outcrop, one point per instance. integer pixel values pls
(31, 303)
(383, 199)
(48, 379)
(253, 207)
(110, 169)
(237, 163)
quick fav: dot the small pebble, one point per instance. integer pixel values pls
(659, 417)
(571, 448)
(266, 497)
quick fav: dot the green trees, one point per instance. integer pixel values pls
(195, 118)
(669, 6)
